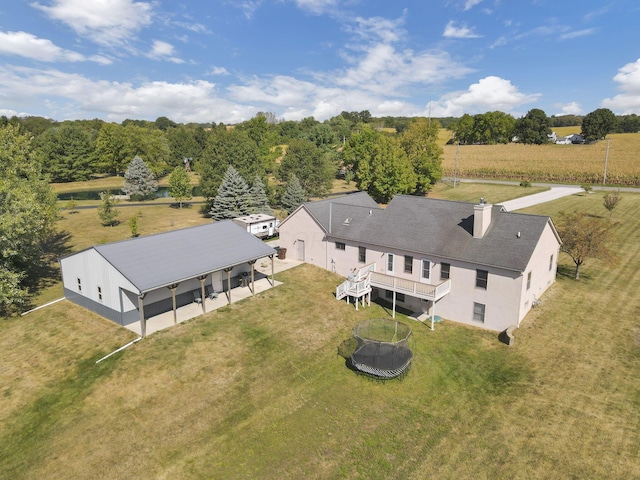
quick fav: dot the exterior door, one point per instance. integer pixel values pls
(301, 250)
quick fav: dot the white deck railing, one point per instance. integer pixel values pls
(409, 287)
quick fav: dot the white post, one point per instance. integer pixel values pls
(433, 312)
(393, 315)
(143, 323)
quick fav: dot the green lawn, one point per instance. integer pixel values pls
(258, 390)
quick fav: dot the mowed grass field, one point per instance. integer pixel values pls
(578, 164)
(257, 390)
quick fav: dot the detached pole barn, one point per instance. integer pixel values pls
(132, 280)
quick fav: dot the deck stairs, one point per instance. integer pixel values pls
(357, 285)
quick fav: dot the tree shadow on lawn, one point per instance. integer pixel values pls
(569, 271)
(47, 272)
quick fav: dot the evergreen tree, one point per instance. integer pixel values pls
(138, 179)
(68, 152)
(258, 198)
(107, 210)
(294, 195)
(180, 184)
(232, 199)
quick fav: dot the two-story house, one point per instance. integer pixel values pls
(474, 264)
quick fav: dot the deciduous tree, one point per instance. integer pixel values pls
(533, 128)
(107, 211)
(597, 124)
(180, 185)
(28, 213)
(419, 141)
(611, 201)
(310, 165)
(224, 148)
(585, 236)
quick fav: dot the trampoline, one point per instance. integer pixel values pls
(382, 348)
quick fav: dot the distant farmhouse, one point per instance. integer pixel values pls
(473, 264)
(132, 280)
(574, 138)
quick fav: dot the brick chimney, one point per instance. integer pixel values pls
(481, 218)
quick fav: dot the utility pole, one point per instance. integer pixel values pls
(606, 159)
(455, 167)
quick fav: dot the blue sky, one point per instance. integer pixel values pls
(224, 61)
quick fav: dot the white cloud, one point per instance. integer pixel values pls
(217, 71)
(469, 4)
(385, 70)
(578, 33)
(75, 96)
(163, 51)
(26, 45)
(111, 22)
(571, 108)
(7, 112)
(628, 79)
(452, 31)
(375, 29)
(317, 7)
(489, 94)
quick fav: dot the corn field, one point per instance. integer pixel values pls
(577, 164)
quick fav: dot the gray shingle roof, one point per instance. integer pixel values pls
(165, 258)
(440, 228)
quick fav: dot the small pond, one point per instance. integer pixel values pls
(162, 192)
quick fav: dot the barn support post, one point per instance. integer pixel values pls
(143, 322)
(228, 271)
(202, 278)
(273, 270)
(253, 283)
(173, 300)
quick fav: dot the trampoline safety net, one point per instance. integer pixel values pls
(382, 348)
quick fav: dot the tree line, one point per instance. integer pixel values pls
(536, 127)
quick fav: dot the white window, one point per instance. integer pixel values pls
(478, 312)
(390, 262)
(340, 246)
(426, 270)
(528, 280)
(551, 263)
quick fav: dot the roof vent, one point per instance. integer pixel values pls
(370, 212)
(347, 221)
(518, 235)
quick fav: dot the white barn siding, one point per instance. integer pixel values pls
(94, 271)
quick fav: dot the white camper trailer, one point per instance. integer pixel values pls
(259, 224)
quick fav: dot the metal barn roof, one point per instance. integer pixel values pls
(165, 258)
